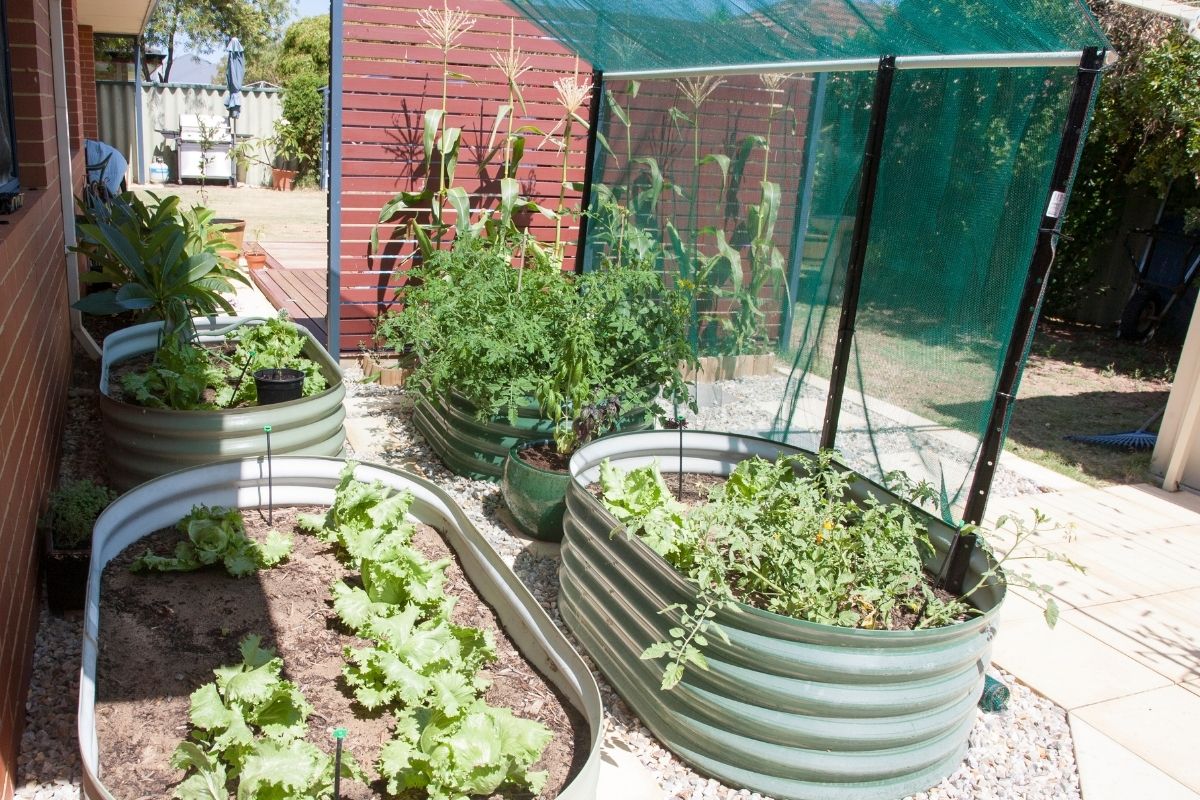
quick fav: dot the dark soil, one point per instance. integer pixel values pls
(101, 327)
(696, 487)
(162, 635)
(545, 456)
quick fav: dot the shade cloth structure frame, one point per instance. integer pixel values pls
(638, 39)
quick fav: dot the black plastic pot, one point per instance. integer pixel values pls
(66, 576)
(278, 385)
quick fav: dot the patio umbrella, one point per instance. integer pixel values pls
(235, 72)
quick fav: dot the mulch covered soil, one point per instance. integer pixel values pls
(161, 636)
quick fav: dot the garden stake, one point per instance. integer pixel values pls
(270, 482)
(238, 385)
(338, 735)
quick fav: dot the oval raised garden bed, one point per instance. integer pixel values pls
(143, 443)
(306, 481)
(789, 708)
(477, 449)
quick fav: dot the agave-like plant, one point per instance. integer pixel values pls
(161, 263)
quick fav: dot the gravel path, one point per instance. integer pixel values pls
(1023, 753)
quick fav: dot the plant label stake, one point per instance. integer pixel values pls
(679, 423)
(338, 735)
(250, 360)
(270, 482)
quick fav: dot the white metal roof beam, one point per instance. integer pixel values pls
(1066, 58)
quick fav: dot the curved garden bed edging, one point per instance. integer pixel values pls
(306, 480)
(477, 449)
(789, 708)
(143, 443)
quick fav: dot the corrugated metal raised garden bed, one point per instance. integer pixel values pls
(789, 708)
(477, 448)
(142, 443)
(300, 481)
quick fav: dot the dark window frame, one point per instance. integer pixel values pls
(13, 184)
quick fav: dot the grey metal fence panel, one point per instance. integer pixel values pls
(161, 106)
(115, 117)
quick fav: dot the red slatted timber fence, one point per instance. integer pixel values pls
(392, 74)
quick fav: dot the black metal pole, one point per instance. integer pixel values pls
(1090, 66)
(589, 166)
(858, 248)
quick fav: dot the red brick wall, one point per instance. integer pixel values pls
(87, 82)
(74, 82)
(34, 362)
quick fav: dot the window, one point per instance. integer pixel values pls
(8, 139)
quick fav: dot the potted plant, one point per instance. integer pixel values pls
(787, 636)
(66, 534)
(255, 255)
(194, 399)
(289, 156)
(398, 497)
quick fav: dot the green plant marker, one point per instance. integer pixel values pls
(995, 695)
(338, 735)
(270, 482)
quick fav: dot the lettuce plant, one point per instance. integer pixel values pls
(216, 536)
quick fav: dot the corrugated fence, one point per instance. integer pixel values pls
(392, 75)
(161, 106)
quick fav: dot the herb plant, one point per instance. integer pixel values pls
(73, 509)
(419, 665)
(249, 728)
(216, 536)
(786, 537)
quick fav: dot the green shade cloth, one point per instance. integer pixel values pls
(638, 35)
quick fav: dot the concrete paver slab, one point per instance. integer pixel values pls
(1161, 631)
(1068, 665)
(1161, 725)
(1109, 771)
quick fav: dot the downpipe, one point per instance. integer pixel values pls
(62, 132)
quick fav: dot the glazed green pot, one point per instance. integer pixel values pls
(536, 497)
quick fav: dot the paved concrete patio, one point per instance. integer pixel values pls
(1124, 659)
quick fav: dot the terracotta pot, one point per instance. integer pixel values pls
(235, 233)
(282, 179)
(392, 371)
(256, 259)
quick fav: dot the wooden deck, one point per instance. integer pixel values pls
(295, 280)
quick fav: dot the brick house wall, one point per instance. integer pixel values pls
(87, 80)
(35, 353)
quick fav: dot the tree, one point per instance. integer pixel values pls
(206, 25)
(1145, 135)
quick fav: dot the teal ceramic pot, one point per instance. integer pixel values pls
(536, 497)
